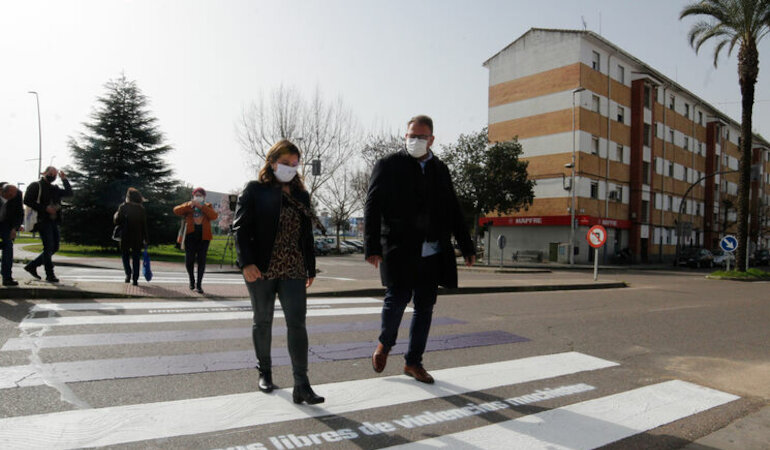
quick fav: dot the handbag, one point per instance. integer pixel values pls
(146, 270)
(117, 231)
(30, 218)
(181, 234)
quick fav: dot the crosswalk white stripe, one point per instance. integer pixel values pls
(589, 424)
(132, 423)
(188, 304)
(37, 322)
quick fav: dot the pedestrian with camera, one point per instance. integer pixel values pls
(44, 199)
(273, 229)
(196, 232)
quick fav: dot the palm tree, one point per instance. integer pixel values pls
(730, 23)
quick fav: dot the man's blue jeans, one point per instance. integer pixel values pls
(424, 297)
(7, 249)
(49, 234)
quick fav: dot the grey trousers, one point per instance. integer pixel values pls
(293, 298)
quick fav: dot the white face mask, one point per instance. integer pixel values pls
(285, 173)
(417, 147)
(199, 199)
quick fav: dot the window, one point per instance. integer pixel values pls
(701, 150)
(594, 145)
(670, 169)
(671, 136)
(596, 62)
(685, 175)
(619, 153)
(686, 143)
(727, 134)
(687, 110)
(621, 74)
(671, 102)
(646, 137)
(594, 189)
(621, 114)
(700, 118)
(595, 103)
(645, 172)
(668, 234)
(647, 95)
(697, 209)
(619, 194)
(670, 206)
(645, 211)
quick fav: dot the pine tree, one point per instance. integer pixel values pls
(121, 148)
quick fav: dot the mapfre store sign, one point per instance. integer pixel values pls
(581, 220)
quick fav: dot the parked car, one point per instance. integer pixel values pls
(760, 257)
(721, 258)
(357, 244)
(696, 257)
(322, 247)
(347, 247)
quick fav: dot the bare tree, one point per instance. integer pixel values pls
(374, 147)
(324, 131)
(341, 199)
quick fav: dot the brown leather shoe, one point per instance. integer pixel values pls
(380, 358)
(418, 373)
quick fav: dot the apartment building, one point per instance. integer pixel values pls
(648, 153)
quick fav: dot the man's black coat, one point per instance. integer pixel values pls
(404, 208)
(14, 212)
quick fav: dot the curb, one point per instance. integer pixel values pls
(44, 293)
(713, 277)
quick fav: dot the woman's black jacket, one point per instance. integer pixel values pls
(256, 226)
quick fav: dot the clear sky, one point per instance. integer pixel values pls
(200, 62)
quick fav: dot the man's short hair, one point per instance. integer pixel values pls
(47, 169)
(422, 120)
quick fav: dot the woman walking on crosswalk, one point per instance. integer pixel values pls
(273, 228)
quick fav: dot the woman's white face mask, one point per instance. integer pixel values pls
(285, 173)
(199, 198)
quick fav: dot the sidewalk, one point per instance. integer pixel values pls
(471, 282)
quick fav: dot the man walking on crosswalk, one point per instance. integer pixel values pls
(411, 212)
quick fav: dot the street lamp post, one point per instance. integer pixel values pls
(39, 137)
(572, 184)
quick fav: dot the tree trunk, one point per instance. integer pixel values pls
(748, 69)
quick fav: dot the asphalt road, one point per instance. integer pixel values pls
(662, 363)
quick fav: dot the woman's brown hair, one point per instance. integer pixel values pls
(280, 148)
(133, 195)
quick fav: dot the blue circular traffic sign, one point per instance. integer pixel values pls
(729, 243)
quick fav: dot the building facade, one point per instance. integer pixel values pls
(653, 163)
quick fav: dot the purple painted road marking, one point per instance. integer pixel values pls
(106, 369)
(213, 334)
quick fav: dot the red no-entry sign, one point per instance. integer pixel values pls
(597, 236)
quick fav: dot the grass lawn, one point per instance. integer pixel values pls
(166, 252)
(751, 274)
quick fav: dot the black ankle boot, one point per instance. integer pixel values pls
(304, 393)
(266, 382)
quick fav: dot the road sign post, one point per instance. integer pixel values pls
(501, 246)
(729, 244)
(596, 237)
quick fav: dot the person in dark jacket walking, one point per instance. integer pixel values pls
(132, 219)
(198, 215)
(411, 211)
(273, 228)
(45, 198)
(11, 218)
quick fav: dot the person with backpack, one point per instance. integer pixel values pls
(11, 218)
(44, 199)
(132, 220)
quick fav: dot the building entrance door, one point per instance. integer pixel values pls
(553, 251)
(644, 247)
